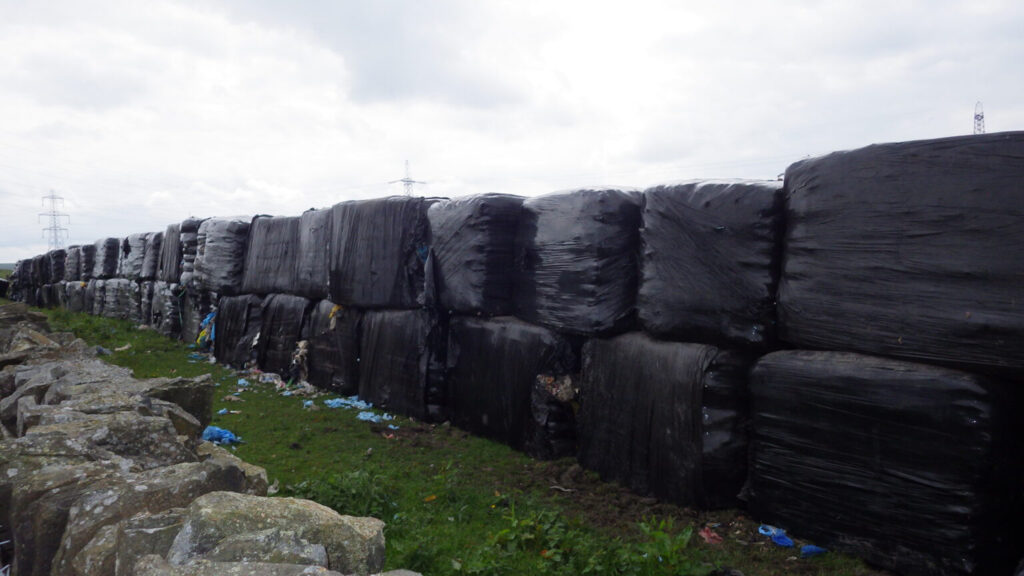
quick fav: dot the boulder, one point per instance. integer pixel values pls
(272, 545)
(255, 477)
(153, 565)
(145, 534)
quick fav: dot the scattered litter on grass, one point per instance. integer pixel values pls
(350, 402)
(243, 382)
(220, 436)
(810, 550)
(224, 411)
(123, 348)
(368, 416)
(778, 535)
(709, 535)
(392, 427)
(232, 398)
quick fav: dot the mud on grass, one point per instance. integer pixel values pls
(454, 503)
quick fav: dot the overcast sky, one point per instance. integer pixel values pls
(143, 113)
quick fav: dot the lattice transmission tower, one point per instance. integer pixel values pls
(979, 119)
(54, 232)
(407, 182)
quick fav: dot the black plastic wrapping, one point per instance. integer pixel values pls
(911, 467)
(121, 299)
(711, 260)
(145, 301)
(283, 321)
(220, 257)
(95, 296)
(108, 251)
(578, 263)
(378, 251)
(189, 238)
(473, 245)
(57, 260)
(334, 347)
(75, 296)
(73, 263)
(133, 253)
(665, 418)
(4, 287)
(513, 382)
(49, 296)
(166, 309)
(901, 250)
(312, 269)
(401, 362)
(170, 255)
(86, 262)
(237, 324)
(41, 270)
(195, 306)
(151, 258)
(271, 255)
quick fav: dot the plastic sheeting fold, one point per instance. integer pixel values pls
(166, 309)
(312, 269)
(906, 465)
(378, 252)
(133, 253)
(170, 255)
(665, 418)
(401, 362)
(57, 260)
(189, 238)
(334, 347)
(901, 250)
(108, 252)
(282, 326)
(87, 262)
(220, 257)
(711, 260)
(151, 258)
(578, 261)
(271, 255)
(72, 264)
(237, 323)
(473, 245)
(513, 382)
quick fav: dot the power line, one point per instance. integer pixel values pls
(979, 119)
(55, 232)
(407, 181)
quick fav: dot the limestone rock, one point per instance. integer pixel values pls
(155, 566)
(145, 534)
(353, 545)
(195, 395)
(273, 545)
(97, 559)
(255, 477)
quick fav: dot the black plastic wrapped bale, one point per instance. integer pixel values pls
(41, 270)
(95, 296)
(283, 322)
(4, 287)
(121, 299)
(220, 257)
(170, 255)
(473, 245)
(57, 259)
(108, 251)
(313, 266)
(73, 263)
(133, 252)
(271, 255)
(401, 362)
(513, 382)
(189, 239)
(151, 259)
(378, 251)
(711, 258)
(75, 296)
(86, 262)
(48, 297)
(195, 306)
(665, 418)
(906, 465)
(166, 309)
(334, 347)
(145, 302)
(237, 325)
(578, 261)
(901, 250)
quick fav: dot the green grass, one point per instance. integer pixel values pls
(456, 504)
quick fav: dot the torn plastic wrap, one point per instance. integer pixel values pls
(57, 260)
(237, 325)
(313, 264)
(711, 259)
(334, 348)
(108, 251)
(473, 244)
(665, 418)
(513, 382)
(912, 467)
(166, 309)
(151, 258)
(195, 306)
(578, 261)
(86, 262)
(220, 257)
(901, 250)
(401, 362)
(95, 296)
(170, 256)
(378, 252)
(75, 296)
(189, 239)
(133, 252)
(283, 321)
(72, 264)
(271, 255)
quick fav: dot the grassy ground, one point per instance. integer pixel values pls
(456, 504)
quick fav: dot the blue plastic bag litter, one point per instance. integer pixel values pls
(220, 436)
(222, 411)
(350, 402)
(811, 550)
(375, 418)
(243, 382)
(307, 403)
(778, 535)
